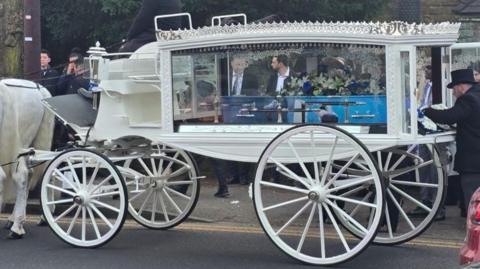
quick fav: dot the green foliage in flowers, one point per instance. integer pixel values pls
(335, 83)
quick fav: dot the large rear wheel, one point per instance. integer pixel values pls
(301, 186)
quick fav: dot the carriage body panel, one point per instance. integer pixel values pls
(140, 95)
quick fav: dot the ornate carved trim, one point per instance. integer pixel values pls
(395, 28)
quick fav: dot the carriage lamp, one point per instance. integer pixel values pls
(94, 61)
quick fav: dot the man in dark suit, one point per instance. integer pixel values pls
(242, 82)
(49, 76)
(465, 114)
(281, 77)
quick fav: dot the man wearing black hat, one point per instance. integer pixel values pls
(465, 114)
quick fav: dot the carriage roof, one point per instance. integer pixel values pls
(370, 33)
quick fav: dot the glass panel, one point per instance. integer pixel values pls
(467, 58)
(405, 85)
(281, 84)
(423, 92)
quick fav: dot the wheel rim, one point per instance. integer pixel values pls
(164, 189)
(408, 171)
(83, 198)
(300, 219)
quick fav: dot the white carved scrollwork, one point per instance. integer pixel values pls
(395, 28)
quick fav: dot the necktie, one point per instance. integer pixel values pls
(236, 84)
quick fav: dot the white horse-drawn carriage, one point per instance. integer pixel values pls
(322, 192)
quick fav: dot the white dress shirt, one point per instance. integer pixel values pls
(237, 80)
(281, 80)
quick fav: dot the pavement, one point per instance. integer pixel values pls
(238, 210)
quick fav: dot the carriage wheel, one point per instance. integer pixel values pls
(165, 188)
(298, 193)
(415, 186)
(83, 198)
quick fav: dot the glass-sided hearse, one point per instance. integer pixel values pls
(338, 149)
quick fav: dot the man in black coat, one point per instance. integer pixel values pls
(465, 114)
(142, 30)
(49, 76)
(282, 76)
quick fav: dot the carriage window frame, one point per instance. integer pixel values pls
(347, 113)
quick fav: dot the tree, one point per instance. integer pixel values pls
(291, 10)
(76, 23)
(11, 38)
(80, 23)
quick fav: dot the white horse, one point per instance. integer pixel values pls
(24, 123)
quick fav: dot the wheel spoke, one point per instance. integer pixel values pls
(316, 163)
(400, 209)
(284, 187)
(74, 174)
(169, 198)
(136, 195)
(84, 223)
(353, 201)
(357, 207)
(176, 183)
(389, 225)
(337, 229)
(300, 161)
(96, 195)
(387, 162)
(93, 176)
(145, 167)
(343, 213)
(413, 200)
(305, 230)
(186, 197)
(107, 206)
(322, 230)
(101, 184)
(64, 201)
(170, 163)
(154, 206)
(65, 179)
(290, 173)
(334, 179)
(74, 219)
(352, 191)
(84, 172)
(164, 208)
(415, 184)
(329, 162)
(140, 211)
(180, 171)
(357, 181)
(72, 207)
(293, 218)
(101, 215)
(285, 203)
(379, 159)
(154, 168)
(61, 190)
(94, 223)
(399, 161)
(399, 172)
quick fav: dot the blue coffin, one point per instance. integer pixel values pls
(358, 109)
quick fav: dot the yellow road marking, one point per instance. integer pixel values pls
(235, 228)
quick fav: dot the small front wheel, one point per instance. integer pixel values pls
(83, 198)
